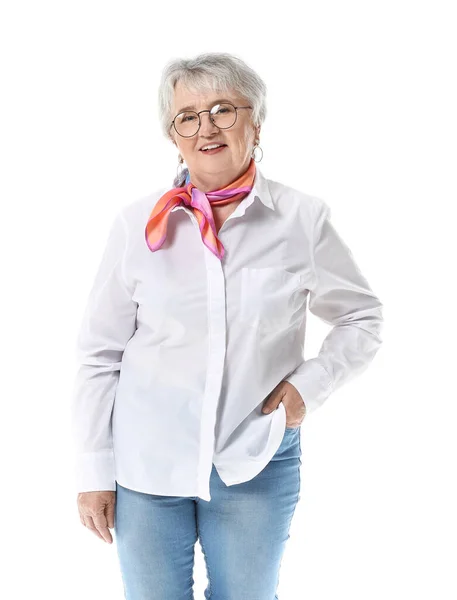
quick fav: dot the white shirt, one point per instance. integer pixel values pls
(178, 350)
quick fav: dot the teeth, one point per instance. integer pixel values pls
(213, 146)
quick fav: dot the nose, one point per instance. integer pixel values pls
(207, 127)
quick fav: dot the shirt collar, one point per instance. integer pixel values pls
(260, 191)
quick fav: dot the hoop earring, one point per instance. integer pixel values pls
(253, 152)
(180, 168)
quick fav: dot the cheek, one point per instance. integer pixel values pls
(242, 143)
(248, 141)
(189, 152)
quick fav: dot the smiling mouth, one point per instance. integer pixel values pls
(214, 150)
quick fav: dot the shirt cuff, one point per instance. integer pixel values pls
(312, 382)
(95, 472)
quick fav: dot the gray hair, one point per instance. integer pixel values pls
(211, 71)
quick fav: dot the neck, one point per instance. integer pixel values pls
(208, 182)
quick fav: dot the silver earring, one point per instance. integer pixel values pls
(180, 168)
(254, 149)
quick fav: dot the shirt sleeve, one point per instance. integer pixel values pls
(108, 323)
(340, 296)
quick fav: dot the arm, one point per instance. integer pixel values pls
(108, 323)
(341, 297)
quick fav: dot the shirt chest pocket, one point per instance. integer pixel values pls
(271, 298)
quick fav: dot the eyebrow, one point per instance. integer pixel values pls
(191, 107)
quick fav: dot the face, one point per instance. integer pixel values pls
(210, 171)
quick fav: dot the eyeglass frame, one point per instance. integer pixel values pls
(208, 110)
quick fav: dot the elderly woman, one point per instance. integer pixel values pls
(192, 385)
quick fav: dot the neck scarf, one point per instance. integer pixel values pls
(200, 204)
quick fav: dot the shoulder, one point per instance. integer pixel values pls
(136, 212)
(289, 197)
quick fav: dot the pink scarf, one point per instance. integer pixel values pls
(200, 204)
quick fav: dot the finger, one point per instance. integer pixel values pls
(271, 406)
(273, 402)
(110, 514)
(101, 524)
(90, 525)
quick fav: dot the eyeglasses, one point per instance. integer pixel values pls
(222, 115)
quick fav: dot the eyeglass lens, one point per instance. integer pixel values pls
(222, 115)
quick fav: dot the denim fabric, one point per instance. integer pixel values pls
(242, 530)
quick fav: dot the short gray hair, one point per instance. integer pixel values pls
(211, 71)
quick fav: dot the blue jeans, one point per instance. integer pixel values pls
(242, 530)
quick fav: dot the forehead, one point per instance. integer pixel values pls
(189, 99)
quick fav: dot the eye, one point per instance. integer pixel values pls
(218, 109)
(186, 117)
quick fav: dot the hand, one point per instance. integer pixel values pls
(288, 394)
(96, 512)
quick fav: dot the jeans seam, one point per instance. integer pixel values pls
(210, 588)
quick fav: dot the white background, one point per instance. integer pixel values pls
(361, 113)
